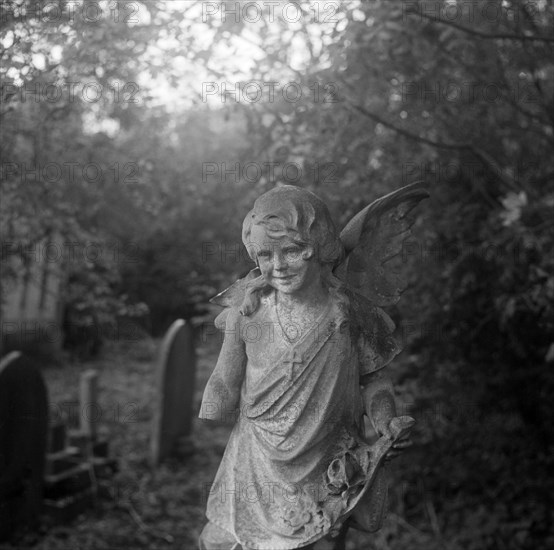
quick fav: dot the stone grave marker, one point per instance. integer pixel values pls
(78, 465)
(23, 439)
(173, 406)
(89, 407)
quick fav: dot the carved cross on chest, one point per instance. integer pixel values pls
(292, 358)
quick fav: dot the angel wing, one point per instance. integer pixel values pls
(373, 239)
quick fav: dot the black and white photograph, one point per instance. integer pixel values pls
(276, 274)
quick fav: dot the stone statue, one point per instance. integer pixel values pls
(302, 361)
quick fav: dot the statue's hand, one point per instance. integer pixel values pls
(401, 438)
(398, 446)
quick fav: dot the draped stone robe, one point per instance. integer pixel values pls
(295, 455)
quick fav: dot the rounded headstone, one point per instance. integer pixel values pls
(175, 376)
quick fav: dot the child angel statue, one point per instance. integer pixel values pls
(302, 362)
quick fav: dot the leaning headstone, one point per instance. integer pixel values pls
(173, 406)
(23, 437)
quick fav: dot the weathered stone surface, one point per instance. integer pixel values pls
(23, 439)
(173, 407)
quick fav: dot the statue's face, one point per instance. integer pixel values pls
(283, 262)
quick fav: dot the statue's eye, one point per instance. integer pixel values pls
(264, 254)
(293, 253)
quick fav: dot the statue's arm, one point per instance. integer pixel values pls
(378, 399)
(380, 407)
(222, 394)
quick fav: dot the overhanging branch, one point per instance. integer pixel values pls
(484, 157)
(481, 34)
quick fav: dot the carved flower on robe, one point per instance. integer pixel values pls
(303, 514)
(296, 517)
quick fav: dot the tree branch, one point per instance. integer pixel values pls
(481, 34)
(484, 157)
(407, 133)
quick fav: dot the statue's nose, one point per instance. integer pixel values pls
(280, 263)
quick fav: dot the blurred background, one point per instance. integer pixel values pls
(137, 135)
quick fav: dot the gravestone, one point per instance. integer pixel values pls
(173, 406)
(89, 408)
(23, 437)
(78, 464)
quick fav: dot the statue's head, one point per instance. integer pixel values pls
(290, 235)
(299, 215)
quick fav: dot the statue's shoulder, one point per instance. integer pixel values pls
(231, 317)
